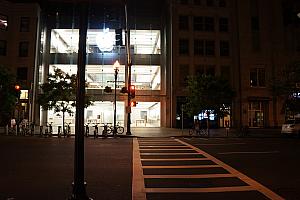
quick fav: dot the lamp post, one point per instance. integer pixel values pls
(116, 68)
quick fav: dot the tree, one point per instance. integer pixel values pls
(8, 95)
(207, 92)
(59, 93)
(287, 86)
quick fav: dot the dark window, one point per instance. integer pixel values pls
(3, 22)
(210, 70)
(3, 46)
(255, 41)
(210, 3)
(222, 3)
(200, 69)
(254, 23)
(199, 47)
(22, 73)
(24, 24)
(198, 23)
(23, 49)
(223, 24)
(183, 46)
(210, 48)
(184, 2)
(197, 2)
(183, 22)
(224, 48)
(225, 72)
(183, 74)
(257, 77)
(298, 45)
(209, 24)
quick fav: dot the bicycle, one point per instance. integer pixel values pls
(67, 130)
(199, 132)
(119, 129)
(12, 130)
(96, 131)
(87, 130)
(49, 129)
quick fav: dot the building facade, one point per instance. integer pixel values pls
(247, 42)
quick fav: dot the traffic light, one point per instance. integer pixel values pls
(133, 104)
(123, 90)
(119, 41)
(132, 91)
(17, 89)
(107, 89)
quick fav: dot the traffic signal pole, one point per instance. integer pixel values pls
(128, 131)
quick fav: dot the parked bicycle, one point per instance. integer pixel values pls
(67, 130)
(49, 129)
(119, 129)
(87, 130)
(96, 130)
(198, 131)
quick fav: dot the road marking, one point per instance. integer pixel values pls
(173, 153)
(178, 146)
(171, 159)
(213, 144)
(180, 166)
(138, 188)
(248, 152)
(191, 176)
(210, 189)
(186, 149)
(252, 183)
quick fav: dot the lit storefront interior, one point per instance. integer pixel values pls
(102, 52)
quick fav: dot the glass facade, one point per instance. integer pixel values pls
(105, 43)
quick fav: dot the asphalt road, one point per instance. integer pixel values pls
(274, 162)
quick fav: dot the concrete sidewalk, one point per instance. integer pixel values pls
(219, 132)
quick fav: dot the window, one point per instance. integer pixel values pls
(225, 72)
(257, 77)
(222, 3)
(198, 24)
(209, 24)
(210, 70)
(255, 41)
(24, 24)
(23, 49)
(183, 22)
(254, 23)
(210, 48)
(205, 69)
(183, 74)
(184, 2)
(3, 47)
(224, 48)
(210, 3)
(223, 24)
(183, 46)
(197, 2)
(199, 47)
(22, 73)
(3, 22)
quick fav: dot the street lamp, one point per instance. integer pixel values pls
(116, 67)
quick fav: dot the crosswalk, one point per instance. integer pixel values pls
(168, 168)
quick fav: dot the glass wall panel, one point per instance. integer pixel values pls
(146, 114)
(146, 77)
(145, 41)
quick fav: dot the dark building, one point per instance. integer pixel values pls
(247, 42)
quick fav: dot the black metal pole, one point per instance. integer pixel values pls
(115, 105)
(128, 132)
(79, 192)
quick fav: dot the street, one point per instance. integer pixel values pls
(171, 168)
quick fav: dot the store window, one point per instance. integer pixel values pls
(146, 114)
(256, 114)
(3, 47)
(23, 49)
(257, 77)
(3, 22)
(24, 24)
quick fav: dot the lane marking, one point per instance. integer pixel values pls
(173, 153)
(177, 146)
(213, 144)
(187, 149)
(259, 187)
(171, 159)
(210, 189)
(191, 176)
(180, 166)
(138, 185)
(248, 152)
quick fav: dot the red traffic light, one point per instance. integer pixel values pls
(132, 91)
(133, 104)
(17, 87)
